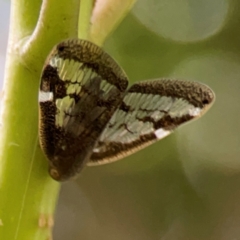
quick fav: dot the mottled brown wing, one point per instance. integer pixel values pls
(81, 87)
(150, 111)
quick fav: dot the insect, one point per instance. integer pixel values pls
(89, 117)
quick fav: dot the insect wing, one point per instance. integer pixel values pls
(150, 111)
(81, 86)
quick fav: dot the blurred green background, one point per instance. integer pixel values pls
(185, 187)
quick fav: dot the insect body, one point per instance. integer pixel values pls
(87, 115)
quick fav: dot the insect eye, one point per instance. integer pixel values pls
(205, 101)
(61, 48)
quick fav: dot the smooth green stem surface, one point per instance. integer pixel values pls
(27, 194)
(106, 16)
(85, 18)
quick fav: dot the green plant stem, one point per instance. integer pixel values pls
(57, 21)
(27, 194)
(106, 16)
(85, 18)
